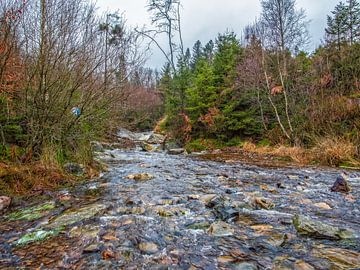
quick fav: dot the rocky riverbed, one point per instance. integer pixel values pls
(153, 210)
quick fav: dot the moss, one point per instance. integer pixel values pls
(37, 236)
(31, 213)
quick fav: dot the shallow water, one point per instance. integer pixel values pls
(193, 214)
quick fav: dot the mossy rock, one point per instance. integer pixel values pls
(31, 213)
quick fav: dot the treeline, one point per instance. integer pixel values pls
(67, 77)
(265, 89)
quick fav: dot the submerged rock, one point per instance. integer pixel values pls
(148, 247)
(244, 266)
(341, 185)
(147, 147)
(36, 236)
(339, 258)
(140, 177)
(176, 151)
(316, 229)
(74, 216)
(220, 228)
(4, 202)
(32, 213)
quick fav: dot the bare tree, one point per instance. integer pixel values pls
(166, 18)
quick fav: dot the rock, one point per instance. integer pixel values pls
(4, 202)
(75, 169)
(316, 229)
(322, 205)
(341, 185)
(220, 229)
(339, 258)
(147, 147)
(205, 199)
(140, 177)
(74, 216)
(148, 247)
(223, 208)
(97, 147)
(156, 139)
(301, 265)
(244, 266)
(176, 151)
(92, 248)
(85, 232)
(32, 213)
(198, 226)
(37, 236)
(260, 203)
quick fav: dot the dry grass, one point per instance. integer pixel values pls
(328, 151)
(334, 151)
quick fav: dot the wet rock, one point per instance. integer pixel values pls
(339, 258)
(95, 247)
(223, 208)
(205, 199)
(341, 185)
(75, 169)
(97, 147)
(301, 265)
(171, 211)
(140, 177)
(176, 151)
(322, 205)
(39, 235)
(261, 203)
(74, 216)
(156, 139)
(198, 226)
(316, 229)
(244, 266)
(148, 247)
(85, 232)
(4, 202)
(220, 229)
(147, 147)
(131, 210)
(32, 213)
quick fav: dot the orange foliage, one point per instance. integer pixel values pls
(209, 118)
(277, 90)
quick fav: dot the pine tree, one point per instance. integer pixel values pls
(353, 20)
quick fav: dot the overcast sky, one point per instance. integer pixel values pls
(204, 19)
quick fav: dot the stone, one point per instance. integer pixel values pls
(74, 216)
(322, 205)
(341, 185)
(85, 232)
(74, 168)
(32, 213)
(176, 151)
(4, 202)
(147, 147)
(301, 265)
(39, 235)
(140, 177)
(220, 229)
(97, 147)
(156, 139)
(260, 203)
(307, 227)
(339, 258)
(244, 266)
(148, 247)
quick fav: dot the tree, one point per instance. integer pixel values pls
(165, 16)
(337, 25)
(353, 21)
(286, 26)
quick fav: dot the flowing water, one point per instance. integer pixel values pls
(189, 214)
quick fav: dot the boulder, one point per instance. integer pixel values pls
(156, 139)
(148, 247)
(97, 147)
(147, 147)
(316, 229)
(75, 169)
(176, 151)
(140, 177)
(341, 185)
(4, 202)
